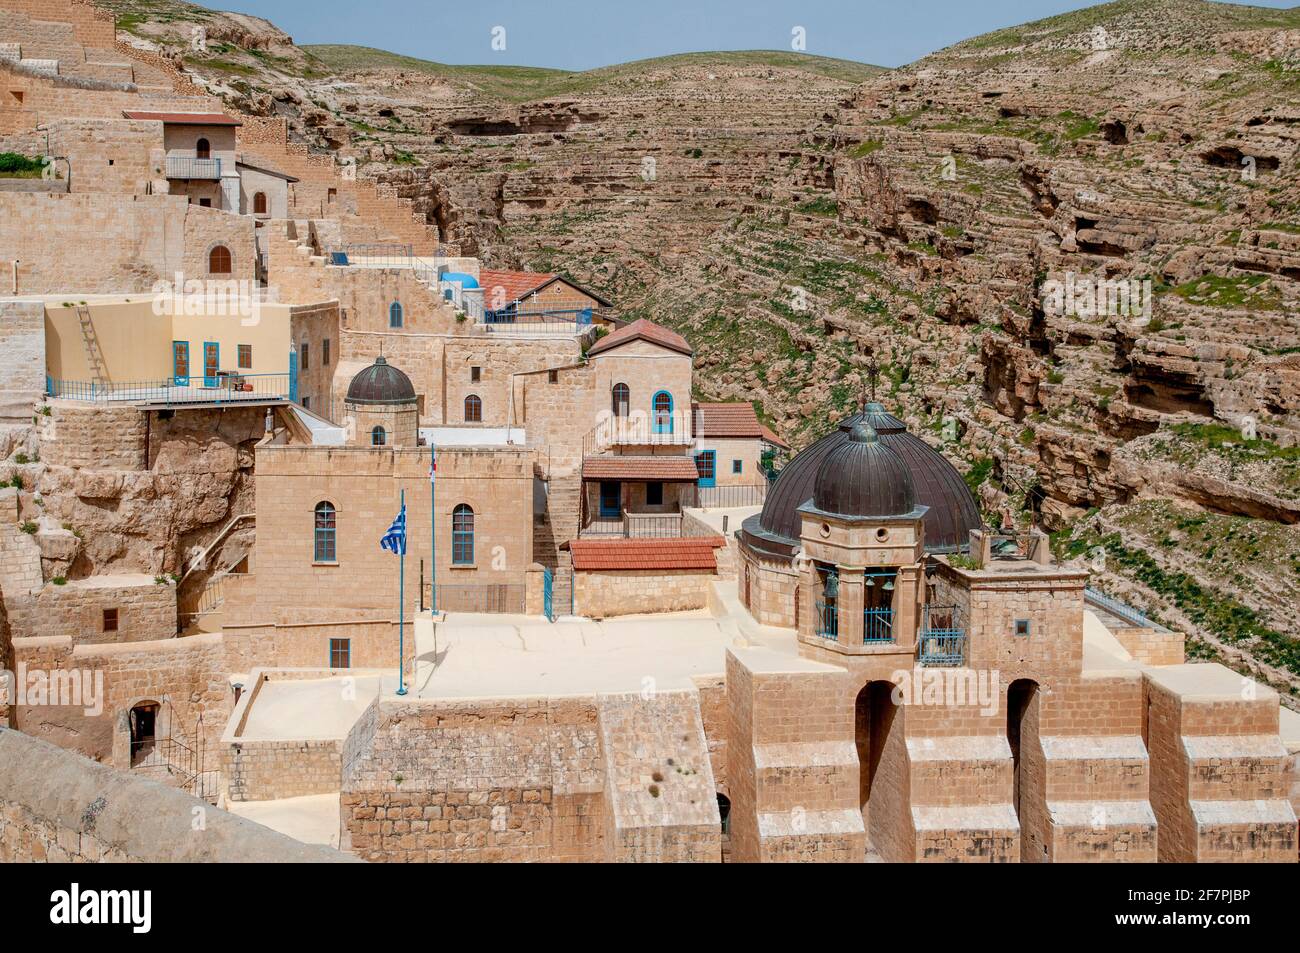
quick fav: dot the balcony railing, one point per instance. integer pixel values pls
(722, 497)
(638, 430)
(828, 620)
(645, 526)
(942, 639)
(877, 625)
(187, 167)
(1122, 610)
(223, 387)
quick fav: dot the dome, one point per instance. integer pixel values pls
(459, 277)
(952, 513)
(380, 383)
(863, 477)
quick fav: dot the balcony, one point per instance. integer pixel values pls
(223, 388)
(638, 430)
(186, 167)
(941, 642)
(649, 525)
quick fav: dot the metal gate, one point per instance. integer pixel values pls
(547, 594)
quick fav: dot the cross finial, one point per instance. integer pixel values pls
(873, 372)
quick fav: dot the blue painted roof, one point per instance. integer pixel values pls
(466, 281)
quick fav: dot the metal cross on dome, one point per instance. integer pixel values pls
(873, 372)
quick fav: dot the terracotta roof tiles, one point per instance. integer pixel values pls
(642, 330)
(691, 552)
(726, 420)
(676, 469)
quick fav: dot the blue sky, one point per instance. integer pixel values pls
(582, 34)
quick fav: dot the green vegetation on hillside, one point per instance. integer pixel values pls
(525, 83)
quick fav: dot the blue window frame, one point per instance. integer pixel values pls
(620, 398)
(395, 314)
(378, 437)
(737, 466)
(326, 550)
(211, 363)
(706, 467)
(473, 409)
(181, 363)
(462, 536)
(340, 653)
(662, 410)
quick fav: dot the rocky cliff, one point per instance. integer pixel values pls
(1070, 248)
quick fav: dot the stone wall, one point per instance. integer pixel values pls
(22, 341)
(94, 243)
(145, 609)
(91, 436)
(266, 770)
(57, 806)
(604, 594)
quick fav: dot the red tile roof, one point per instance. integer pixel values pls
(633, 467)
(770, 436)
(691, 552)
(726, 420)
(519, 284)
(642, 330)
(187, 119)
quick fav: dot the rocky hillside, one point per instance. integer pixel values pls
(950, 221)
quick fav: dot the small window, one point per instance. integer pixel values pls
(340, 653)
(737, 466)
(110, 620)
(654, 494)
(304, 355)
(395, 314)
(325, 550)
(552, 377)
(473, 409)
(325, 353)
(1022, 627)
(219, 262)
(245, 352)
(306, 403)
(475, 374)
(462, 536)
(202, 149)
(378, 437)
(620, 397)
(206, 203)
(662, 406)
(17, 94)
(331, 194)
(259, 203)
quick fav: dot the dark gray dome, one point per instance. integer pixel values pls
(863, 477)
(952, 513)
(381, 383)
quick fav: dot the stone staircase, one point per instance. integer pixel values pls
(960, 798)
(660, 802)
(1219, 769)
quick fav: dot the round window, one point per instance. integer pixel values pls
(826, 530)
(882, 534)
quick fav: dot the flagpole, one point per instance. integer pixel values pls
(401, 604)
(433, 527)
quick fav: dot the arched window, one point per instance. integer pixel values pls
(203, 149)
(462, 536)
(219, 260)
(395, 314)
(378, 437)
(620, 397)
(473, 409)
(663, 412)
(259, 203)
(325, 549)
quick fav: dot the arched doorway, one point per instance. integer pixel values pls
(144, 726)
(1022, 715)
(874, 714)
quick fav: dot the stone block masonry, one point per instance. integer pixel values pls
(22, 373)
(58, 806)
(125, 608)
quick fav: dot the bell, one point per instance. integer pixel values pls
(889, 586)
(870, 582)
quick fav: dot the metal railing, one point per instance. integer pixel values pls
(721, 497)
(223, 388)
(828, 620)
(637, 429)
(1123, 610)
(492, 597)
(942, 639)
(877, 625)
(188, 167)
(645, 526)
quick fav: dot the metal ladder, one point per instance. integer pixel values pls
(90, 341)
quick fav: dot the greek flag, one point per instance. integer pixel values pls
(395, 539)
